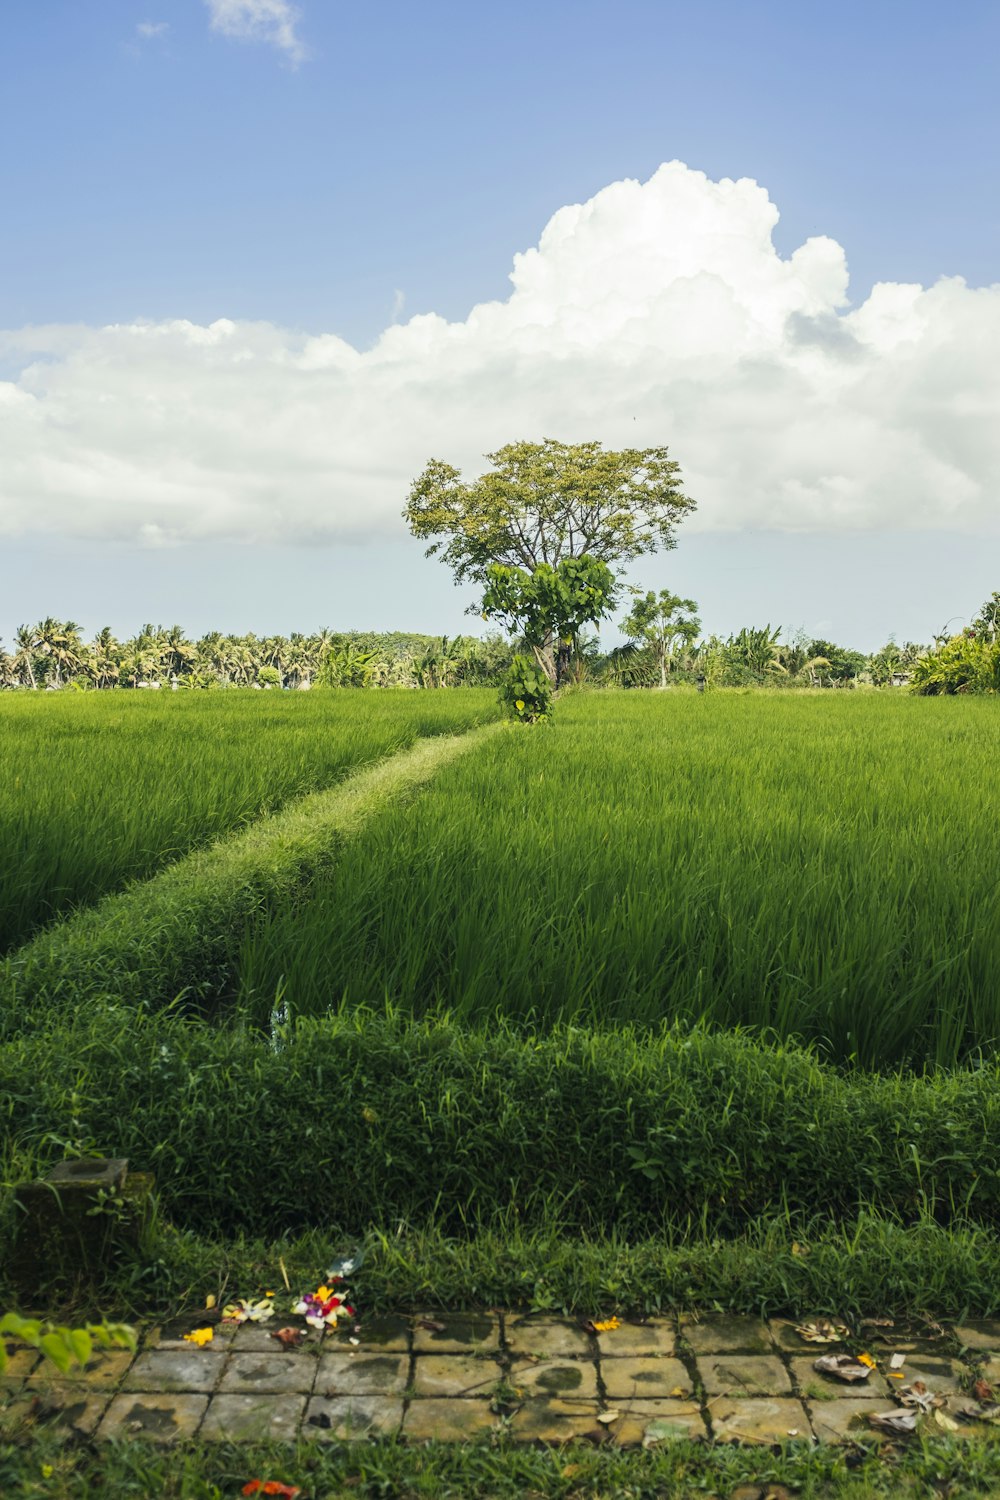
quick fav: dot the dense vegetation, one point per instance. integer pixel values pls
(100, 790)
(821, 867)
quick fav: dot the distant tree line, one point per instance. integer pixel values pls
(664, 649)
(54, 654)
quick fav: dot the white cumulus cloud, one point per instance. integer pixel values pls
(658, 312)
(272, 21)
(150, 30)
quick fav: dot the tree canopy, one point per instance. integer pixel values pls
(543, 502)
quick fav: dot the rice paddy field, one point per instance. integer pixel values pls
(677, 1000)
(96, 790)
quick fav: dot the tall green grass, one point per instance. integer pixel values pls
(822, 867)
(98, 789)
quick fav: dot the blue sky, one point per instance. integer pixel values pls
(392, 162)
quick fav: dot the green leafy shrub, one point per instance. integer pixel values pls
(63, 1346)
(525, 691)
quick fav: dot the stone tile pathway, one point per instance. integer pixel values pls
(537, 1379)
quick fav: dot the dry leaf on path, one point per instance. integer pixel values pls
(943, 1420)
(918, 1395)
(981, 1411)
(608, 1416)
(822, 1332)
(983, 1391)
(842, 1367)
(432, 1325)
(898, 1422)
(289, 1338)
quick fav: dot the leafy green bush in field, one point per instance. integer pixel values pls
(525, 691)
(358, 1120)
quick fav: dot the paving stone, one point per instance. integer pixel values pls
(846, 1420)
(275, 1373)
(568, 1378)
(816, 1386)
(63, 1408)
(20, 1363)
(156, 1419)
(258, 1338)
(362, 1374)
(243, 1419)
(463, 1333)
(744, 1375)
(979, 1336)
(785, 1337)
(557, 1422)
(455, 1375)
(449, 1420)
(171, 1370)
(759, 1421)
(102, 1373)
(936, 1371)
(388, 1334)
(661, 1379)
(170, 1335)
(331, 1419)
(656, 1423)
(632, 1339)
(549, 1338)
(728, 1335)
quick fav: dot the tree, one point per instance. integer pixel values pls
(550, 605)
(543, 502)
(660, 620)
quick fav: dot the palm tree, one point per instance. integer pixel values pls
(24, 655)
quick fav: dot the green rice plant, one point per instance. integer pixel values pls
(819, 866)
(97, 789)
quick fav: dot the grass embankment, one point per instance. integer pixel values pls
(334, 1471)
(178, 931)
(102, 788)
(821, 867)
(574, 1171)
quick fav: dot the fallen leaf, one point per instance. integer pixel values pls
(432, 1325)
(899, 1422)
(896, 1375)
(943, 1420)
(210, 1300)
(607, 1326)
(987, 1411)
(982, 1390)
(822, 1332)
(876, 1323)
(608, 1416)
(842, 1367)
(918, 1395)
(288, 1338)
(680, 1392)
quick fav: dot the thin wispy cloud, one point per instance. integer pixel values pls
(270, 21)
(148, 31)
(657, 312)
